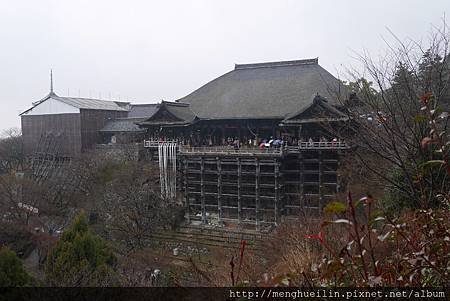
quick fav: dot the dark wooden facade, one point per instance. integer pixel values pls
(59, 132)
(176, 121)
(74, 133)
(92, 121)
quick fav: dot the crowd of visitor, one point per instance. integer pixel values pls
(274, 142)
(265, 143)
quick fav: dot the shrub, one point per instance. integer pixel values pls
(81, 258)
(410, 250)
(12, 273)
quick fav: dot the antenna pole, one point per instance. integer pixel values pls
(51, 81)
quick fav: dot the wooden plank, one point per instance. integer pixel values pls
(202, 191)
(186, 194)
(320, 154)
(239, 169)
(276, 179)
(301, 178)
(219, 189)
(257, 180)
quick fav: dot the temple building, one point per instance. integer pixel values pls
(250, 147)
(255, 145)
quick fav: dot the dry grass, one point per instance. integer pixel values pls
(286, 253)
(290, 253)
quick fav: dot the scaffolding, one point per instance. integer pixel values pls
(257, 188)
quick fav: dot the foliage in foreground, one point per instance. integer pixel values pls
(410, 250)
(358, 245)
(400, 119)
(81, 258)
(12, 273)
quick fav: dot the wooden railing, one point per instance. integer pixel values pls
(322, 145)
(155, 143)
(230, 150)
(247, 149)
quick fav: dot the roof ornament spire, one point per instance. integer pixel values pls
(51, 81)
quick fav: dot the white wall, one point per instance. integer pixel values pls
(52, 106)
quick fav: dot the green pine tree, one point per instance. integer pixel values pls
(12, 273)
(81, 258)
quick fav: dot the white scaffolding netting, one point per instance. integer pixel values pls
(167, 155)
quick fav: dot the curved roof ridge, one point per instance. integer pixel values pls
(175, 103)
(313, 61)
(126, 118)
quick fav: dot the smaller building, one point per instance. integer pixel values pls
(126, 130)
(67, 126)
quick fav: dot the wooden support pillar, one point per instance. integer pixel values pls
(223, 138)
(239, 131)
(202, 189)
(257, 181)
(338, 157)
(219, 189)
(320, 181)
(186, 194)
(257, 136)
(239, 169)
(277, 192)
(301, 178)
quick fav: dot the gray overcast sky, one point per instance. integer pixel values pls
(145, 51)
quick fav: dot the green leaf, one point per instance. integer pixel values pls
(375, 216)
(376, 213)
(420, 118)
(335, 207)
(432, 164)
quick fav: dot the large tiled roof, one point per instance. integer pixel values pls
(264, 90)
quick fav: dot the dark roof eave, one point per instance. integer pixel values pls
(313, 120)
(243, 118)
(122, 131)
(176, 125)
(164, 124)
